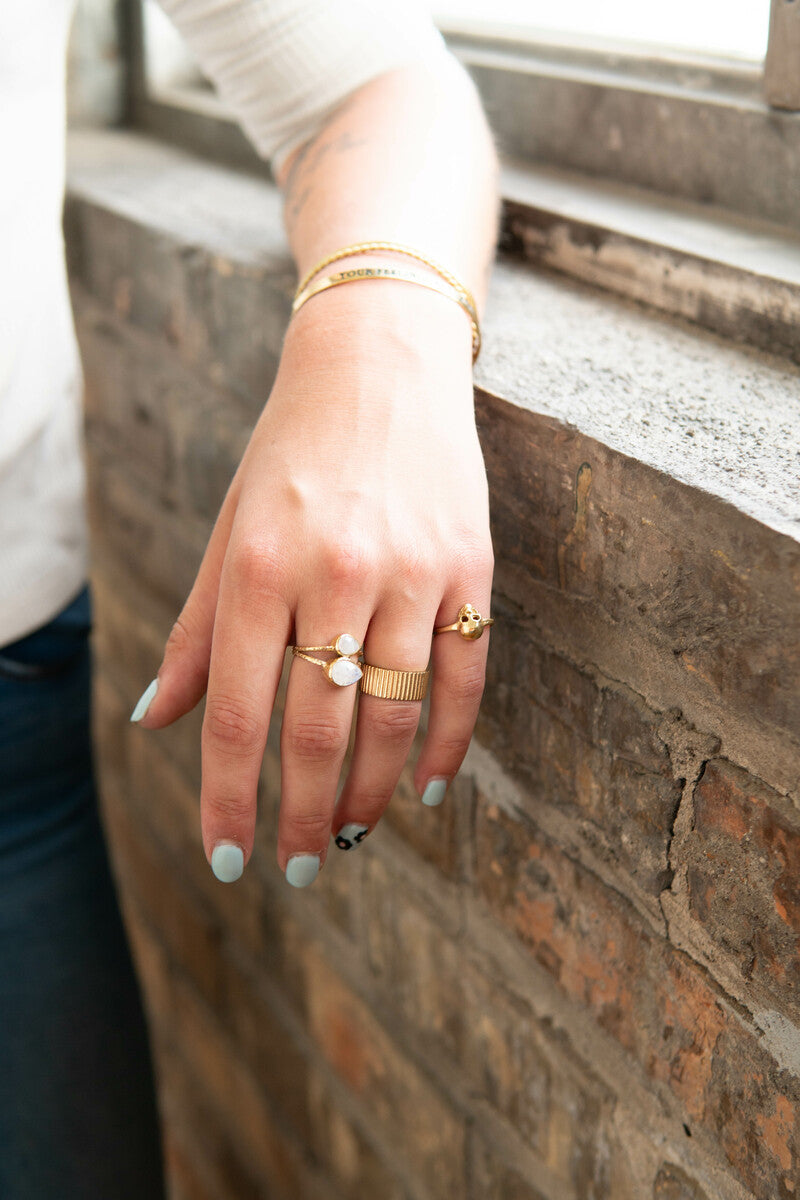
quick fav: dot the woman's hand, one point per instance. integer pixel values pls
(360, 506)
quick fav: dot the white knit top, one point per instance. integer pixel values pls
(282, 66)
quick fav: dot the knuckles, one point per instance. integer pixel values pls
(260, 566)
(228, 810)
(465, 686)
(314, 739)
(472, 561)
(347, 564)
(348, 561)
(395, 723)
(230, 724)
(313, 826)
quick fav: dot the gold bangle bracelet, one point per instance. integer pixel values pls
(356, 273)
(398, 248)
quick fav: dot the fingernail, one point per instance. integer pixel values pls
(302, 869)
(434, 792)
(227, 861)
(144, 701)
(349, 835)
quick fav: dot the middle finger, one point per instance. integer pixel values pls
(317, 717)
(399, 638)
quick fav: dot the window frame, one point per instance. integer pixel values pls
(681, 125)
(691, 127)
(714, 231)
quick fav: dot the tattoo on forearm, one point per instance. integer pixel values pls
(299, 182)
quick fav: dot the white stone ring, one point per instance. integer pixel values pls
(344, 668)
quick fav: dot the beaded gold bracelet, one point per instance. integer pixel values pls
(463, 295)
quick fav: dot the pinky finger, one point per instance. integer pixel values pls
(458, 678)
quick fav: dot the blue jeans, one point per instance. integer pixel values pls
(77, 1105)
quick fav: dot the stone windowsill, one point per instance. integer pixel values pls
(714, 415)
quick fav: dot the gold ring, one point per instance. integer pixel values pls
(389, 684)
(469, 623)
(342, 670)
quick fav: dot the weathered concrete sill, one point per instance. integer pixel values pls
(719, 417)
(734, 275)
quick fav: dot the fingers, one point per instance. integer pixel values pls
(459, 675)
(399, 637)
(251, 631)
(181, 680)
(316, 728)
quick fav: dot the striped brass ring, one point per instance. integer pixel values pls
(342, 670)
(389, 684)
(469, 623)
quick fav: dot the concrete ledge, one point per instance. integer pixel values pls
(719, 417)
(736, 276)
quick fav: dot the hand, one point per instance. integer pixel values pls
(360, 506)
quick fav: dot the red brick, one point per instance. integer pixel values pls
(346, 1153)
(744, 878)
(224, 1080)
(415, 960)
(433, 833)
(567, 692)
(672, 1183)
(660, 1006)
(186, 926)
(492, 1179)
(201, 1154)
(629, 730)
(392, 1089)
(509, 1065)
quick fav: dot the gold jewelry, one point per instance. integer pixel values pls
(470, 624)
(393, 273)
(410, 252)
(343, 669)
(398, 248)
(389, 684)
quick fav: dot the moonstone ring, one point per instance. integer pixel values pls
(341, 670)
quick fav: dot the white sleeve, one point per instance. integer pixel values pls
(283, 65)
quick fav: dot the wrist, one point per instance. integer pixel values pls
(398, 318)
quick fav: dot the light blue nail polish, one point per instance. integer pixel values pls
(350, 835)
(144, 701)
(227, 861)
(302, 869)
(434, 792)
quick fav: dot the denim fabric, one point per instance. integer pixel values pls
(77, 1108)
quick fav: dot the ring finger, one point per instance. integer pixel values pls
(399, 638)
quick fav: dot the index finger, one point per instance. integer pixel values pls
(251, 632)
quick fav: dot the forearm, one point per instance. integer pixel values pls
(409, 158)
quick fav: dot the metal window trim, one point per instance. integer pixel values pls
(686, 127)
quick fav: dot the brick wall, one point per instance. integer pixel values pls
(578, 978)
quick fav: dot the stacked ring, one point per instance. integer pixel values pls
(387, 683)
(343, 669)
